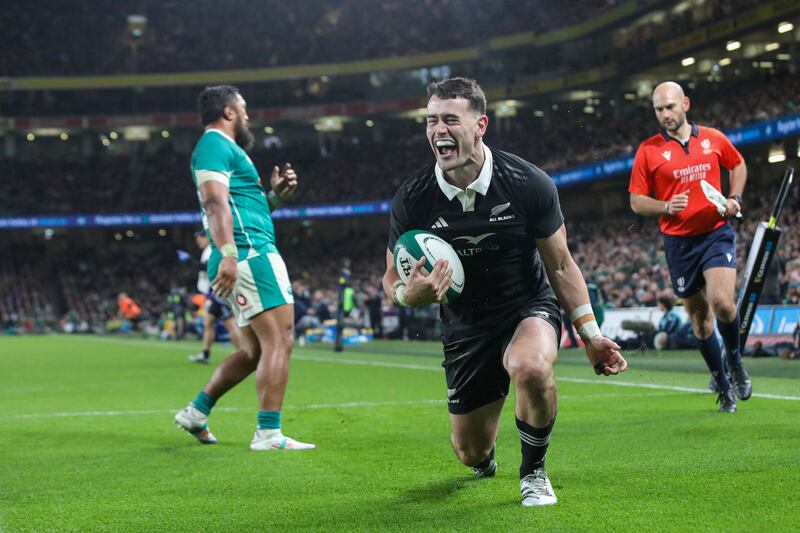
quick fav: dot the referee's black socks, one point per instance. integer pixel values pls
(534, 446)
(713, 357)
(730, 338)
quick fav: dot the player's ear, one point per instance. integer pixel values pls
(483, 123)
(229, 113)
(686, 103)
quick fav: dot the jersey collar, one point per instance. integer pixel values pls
(695, 132)
(221, 133)
(480, 185)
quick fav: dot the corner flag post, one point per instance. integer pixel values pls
(765, 243)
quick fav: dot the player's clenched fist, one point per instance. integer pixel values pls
(422, 289)
(604, 355)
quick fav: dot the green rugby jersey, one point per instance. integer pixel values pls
(217, 157)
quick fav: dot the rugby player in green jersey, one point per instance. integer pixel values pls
(245, 266)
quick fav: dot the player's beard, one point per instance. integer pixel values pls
(677, 124)
(244, 137)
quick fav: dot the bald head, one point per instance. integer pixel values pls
(671, 105)
(668, 89)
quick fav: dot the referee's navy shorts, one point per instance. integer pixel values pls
(689, 257)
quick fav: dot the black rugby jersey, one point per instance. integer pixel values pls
(494, 237)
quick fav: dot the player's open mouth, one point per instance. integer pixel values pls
(445, 147)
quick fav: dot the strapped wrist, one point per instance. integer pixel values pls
(399, 293)
(400, 296)
(583, 320)
(229, 250)
(273, 198)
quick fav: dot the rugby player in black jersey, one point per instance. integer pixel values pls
(502, 216)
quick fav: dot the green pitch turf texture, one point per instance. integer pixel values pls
(88, 444)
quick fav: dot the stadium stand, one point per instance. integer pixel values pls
(356, 164)
(68, 41)
(356, 167)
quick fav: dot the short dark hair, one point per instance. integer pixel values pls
(666, 301)
(213, 101)
(460, 88)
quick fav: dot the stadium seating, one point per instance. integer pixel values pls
(246, 35)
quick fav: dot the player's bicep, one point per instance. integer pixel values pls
(213, 192)
(554, 250)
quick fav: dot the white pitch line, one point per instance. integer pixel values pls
(616, 383)
(313, 406)
(362, 362)
(134, 412)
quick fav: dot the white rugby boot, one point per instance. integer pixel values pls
(536, 489)
(195, 422)
(272, 440)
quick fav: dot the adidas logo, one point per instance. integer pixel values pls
(667, 155)
(440, 223)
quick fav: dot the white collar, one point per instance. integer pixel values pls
(480, 185)
(221, 133)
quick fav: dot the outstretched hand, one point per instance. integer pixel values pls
(604, 355)
(283, 182)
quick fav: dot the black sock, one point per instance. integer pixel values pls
(486, 462)
(713, 356)
(730, 337)
(206, 354)
(534, 446)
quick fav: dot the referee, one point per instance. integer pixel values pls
(699, 241)
(502, 216)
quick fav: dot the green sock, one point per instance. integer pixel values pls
(269, 420)
(203, 402)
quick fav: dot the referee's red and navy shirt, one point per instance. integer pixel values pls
(664, 167)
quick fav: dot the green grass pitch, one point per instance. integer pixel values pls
(88, 444)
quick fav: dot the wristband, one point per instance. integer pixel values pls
(737, 198)
(273, 198)
(589, 330)
(400, 295)
(581, 311)
(228, 250)
(666, 208)
(583, 320)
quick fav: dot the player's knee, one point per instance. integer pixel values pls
(533, 374)
(286, 340)
(471, 454)
(703, 329)
(724, 309)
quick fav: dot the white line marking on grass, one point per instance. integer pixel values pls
(616, 383)
(363, 362)
(312, 406)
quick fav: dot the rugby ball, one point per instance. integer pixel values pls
(412, 245)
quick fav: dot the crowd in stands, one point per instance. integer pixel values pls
(79, 283)
(25, 302)
(352, 167)
(76, 38)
